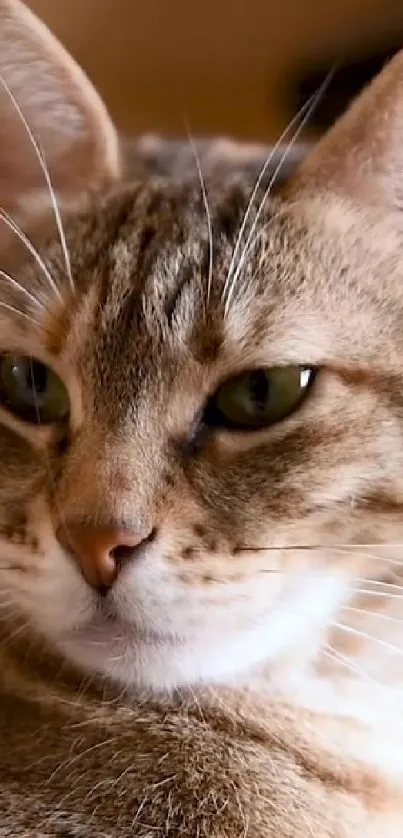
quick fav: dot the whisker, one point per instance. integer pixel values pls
(18, 312)
(364, 553)
(15, 284)
(358, 550)
(289, 127)
(389, 585)
(367, 613)
(46, 174)
(259, 235)
(329, 651)
(313, 102)
(396, 562)
(8, 604)
(208, 214)
(13, 635)
(332, 546)
(367, 592)
(13, 226)
(393, 574)
(284, 547)
(365, 636)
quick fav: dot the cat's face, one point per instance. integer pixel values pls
(223, 417)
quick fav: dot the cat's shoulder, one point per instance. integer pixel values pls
(217, 765)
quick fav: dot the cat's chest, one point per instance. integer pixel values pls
(354, 667)
(358, 670)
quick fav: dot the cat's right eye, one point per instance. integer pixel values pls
(258, 398)
(32, 391)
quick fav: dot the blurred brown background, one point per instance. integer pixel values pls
(222, 66)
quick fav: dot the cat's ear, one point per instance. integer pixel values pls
(46, 100)
(362, 155)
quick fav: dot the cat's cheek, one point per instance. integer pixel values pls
(40, 581)
(58, 601)
(45, 588)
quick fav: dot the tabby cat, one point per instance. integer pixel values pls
(201, 447)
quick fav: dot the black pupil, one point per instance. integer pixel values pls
(37, 376)
(259, 389)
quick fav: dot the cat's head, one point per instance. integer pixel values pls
(201, 386)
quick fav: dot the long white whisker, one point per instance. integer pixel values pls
(377, 544)
(208, 215)
(395, 562)
(12, 636)
(359, 551)
(259, 235)
(17, 311)
(339, 658)
(315, 100)
(333, 546)
(367, 613)
(377, 582)
(13, 282)
(386, 594)
(289, 127)
(45, 171)
(365, 636)
(28, 244)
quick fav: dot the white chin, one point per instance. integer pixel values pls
(140, 659)
(135, 659)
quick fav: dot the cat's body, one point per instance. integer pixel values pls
(200, 599)
(77, 764)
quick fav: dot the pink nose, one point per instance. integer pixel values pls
(100, 551)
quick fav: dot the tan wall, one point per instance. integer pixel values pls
(217, 64)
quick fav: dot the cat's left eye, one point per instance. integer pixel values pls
(258, 398)
(32, 391)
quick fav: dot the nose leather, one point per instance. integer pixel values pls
(99, 551)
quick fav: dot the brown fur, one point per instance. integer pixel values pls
(220, 766)
(243, 677)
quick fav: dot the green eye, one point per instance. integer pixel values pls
(32, 391)
(258, 398)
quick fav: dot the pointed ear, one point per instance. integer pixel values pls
(362, 155)
(46, 100)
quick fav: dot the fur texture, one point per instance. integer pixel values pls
(243, 674)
